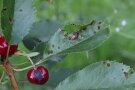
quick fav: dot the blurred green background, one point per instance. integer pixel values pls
(119, 14)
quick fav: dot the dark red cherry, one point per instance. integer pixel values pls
(39, 75)
(4, 47)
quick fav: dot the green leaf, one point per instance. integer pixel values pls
(31, 43)
(43, 30)
(79, 39)
(7, 18)
(58, 76)
(107, 75)
(17, 19)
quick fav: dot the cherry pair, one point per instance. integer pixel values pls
(38, 76)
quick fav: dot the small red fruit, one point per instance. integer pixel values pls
(4, 47)
(39, 75)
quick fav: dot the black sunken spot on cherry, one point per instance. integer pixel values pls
(38, 74)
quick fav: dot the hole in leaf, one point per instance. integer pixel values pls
(75, 36)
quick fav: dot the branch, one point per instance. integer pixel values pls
(10, 72)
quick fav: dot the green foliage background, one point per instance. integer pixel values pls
(120, 46)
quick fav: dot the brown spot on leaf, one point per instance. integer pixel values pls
(40, 57)
(50, 52)
(98, 27)
(94, 32)
(131, 72)
(53, 45)
(66, 34)
(84, 29)
(104, 62)
(92, 22)
(58, 47)
(108, 64)
(69, 38)
(100, 22)
(62, 30)
(20, 10)
(4, 9)
(126, 74)
(11, 20)
(75, 36)
(72, 24)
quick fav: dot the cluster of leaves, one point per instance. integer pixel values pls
(53, 39)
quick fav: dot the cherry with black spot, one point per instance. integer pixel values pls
(39, 75)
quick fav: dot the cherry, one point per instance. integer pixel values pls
(39, 75)
(4, 47)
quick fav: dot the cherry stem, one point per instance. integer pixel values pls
(8, 51)
(33, 65)
(41, 61)
(20, 64)
(8, 68)
(2, 76)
